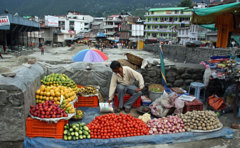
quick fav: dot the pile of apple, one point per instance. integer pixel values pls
(47, 110)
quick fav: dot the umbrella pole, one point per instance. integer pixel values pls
(164, 81)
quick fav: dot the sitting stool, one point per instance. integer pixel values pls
(126, 97)
(197, 86)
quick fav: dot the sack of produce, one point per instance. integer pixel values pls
(106, 107)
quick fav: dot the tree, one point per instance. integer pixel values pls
(185, 3)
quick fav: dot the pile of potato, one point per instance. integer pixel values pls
(200, 120)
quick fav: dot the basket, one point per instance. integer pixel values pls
(91, 101)
(124, 62)
(194, 105)
(159, 86)
(36, 128)
(134, 59)
(126, 97)
(154, 95)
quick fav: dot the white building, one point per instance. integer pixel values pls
(76, 22)
(186, 34)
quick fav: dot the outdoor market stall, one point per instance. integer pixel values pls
(169, 116)
(224, 17)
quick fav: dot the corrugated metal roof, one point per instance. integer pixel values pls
(167, 9)
(17, 20)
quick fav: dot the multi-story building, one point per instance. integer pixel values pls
(75, 22)
(98, 25)
(112, 25)
(162, 22)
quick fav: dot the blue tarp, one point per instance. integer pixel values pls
(124, 142)
(91, 113)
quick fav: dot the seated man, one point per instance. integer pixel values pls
(122, 82)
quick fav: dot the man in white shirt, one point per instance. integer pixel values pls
(122, 82)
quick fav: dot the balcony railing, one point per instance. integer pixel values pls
(111, 26)
(189, 14)
(183, 22)
(159, 30)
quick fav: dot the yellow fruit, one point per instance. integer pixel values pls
(38, 92)
(42, 88)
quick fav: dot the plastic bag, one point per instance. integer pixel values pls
(206, 76)
(158, 106)
(106, 107)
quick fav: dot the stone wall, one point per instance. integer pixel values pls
(178, 53)
(177, 76)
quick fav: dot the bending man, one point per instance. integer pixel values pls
(122, 82)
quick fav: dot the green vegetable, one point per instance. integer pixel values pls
(80, 132)
(65, 132)
(74, 138)
(85, 133)
(65, 137)
(81, 137)
(82, 124)
(76, 134)
(76, 129)
(71, 129)
(72, 133)
(88, 136)
(69, 137)
(84, 136)
(85, 128)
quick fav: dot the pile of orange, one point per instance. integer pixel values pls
(46, 93)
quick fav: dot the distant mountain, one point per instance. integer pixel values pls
(91, 7)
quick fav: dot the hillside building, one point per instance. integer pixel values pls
(112, 25)
(75, 22)
(163, 22)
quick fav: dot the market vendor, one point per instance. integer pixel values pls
(122, 83)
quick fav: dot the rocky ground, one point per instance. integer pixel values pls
(63, 55)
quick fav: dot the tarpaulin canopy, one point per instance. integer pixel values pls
(209, 26)
(208, 15)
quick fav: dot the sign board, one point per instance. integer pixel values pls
(4, 21)
(51, 21)
(137, 30)
(36, 18)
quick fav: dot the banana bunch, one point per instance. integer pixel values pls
(76, 89)
(89, 90)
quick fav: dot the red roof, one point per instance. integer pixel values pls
(114, 16)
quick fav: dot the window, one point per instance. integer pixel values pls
(176, 12)
(154, 35)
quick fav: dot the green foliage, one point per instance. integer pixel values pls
(185, 3)
(91, 7)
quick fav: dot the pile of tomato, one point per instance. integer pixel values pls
(116, 126)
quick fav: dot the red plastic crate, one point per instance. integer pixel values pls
(194, 105)
(86, 102)
(126, 97)
(36, 128)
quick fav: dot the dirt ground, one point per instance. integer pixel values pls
(62, 55)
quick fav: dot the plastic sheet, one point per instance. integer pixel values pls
(129, 141)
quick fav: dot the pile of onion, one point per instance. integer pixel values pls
(166, 125)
